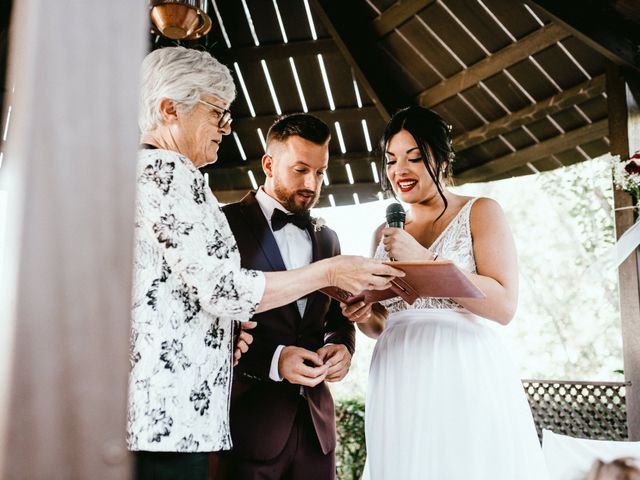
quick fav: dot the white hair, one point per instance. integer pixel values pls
(183, 75)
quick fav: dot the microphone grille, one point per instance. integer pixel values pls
(395, 213)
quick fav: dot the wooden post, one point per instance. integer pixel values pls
(69, 177)
(624, 133)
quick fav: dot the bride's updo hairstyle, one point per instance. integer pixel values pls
(433, 137)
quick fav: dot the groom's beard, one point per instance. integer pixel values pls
(290, 200)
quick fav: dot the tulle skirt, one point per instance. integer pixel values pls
(444, 401)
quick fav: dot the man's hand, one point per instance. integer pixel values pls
(358, 312)
(291, 366)
(244, 340)
(338, 358)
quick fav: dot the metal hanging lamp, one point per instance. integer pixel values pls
(180, 19)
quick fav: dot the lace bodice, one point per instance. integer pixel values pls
(455, 244)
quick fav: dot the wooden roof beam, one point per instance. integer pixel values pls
(535, 152)
(358, 47)
(327, 116)
(623, 97)
(397, 14)
(610, 27)
(549, 106)
(334, 161)
(276, 51)
(367, 191)
(502, 59)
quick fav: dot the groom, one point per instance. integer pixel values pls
(282, 414)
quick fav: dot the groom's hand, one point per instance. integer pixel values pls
(339, 360)
(358, 312)
(292, 367)
(243, 341)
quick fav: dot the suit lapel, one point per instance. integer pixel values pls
(258, 225)
(260, 229)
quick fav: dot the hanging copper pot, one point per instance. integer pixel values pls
(180, 19)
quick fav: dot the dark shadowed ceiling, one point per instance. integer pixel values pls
(522, 83)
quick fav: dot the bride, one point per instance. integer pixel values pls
(443, 399)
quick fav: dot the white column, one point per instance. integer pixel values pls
(69, 173)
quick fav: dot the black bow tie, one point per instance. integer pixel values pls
(279, 219)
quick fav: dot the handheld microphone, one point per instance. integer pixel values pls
(395, 215)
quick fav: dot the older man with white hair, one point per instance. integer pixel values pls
(188, 284)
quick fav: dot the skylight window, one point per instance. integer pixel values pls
(239, 145)
(272, 90)
(243, 87)
(247, 14)
(347, 167)
(312, 26)
(343, 149)
(325, 79)
(294, 71)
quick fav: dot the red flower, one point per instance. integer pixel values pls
(632, 168)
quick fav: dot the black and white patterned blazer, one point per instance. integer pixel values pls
(188, 288)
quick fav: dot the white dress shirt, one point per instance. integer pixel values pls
(296, 251)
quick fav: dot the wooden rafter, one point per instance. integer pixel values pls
(554, 104)
(255, 164)
(327, 116)
(357, 46)
(397, 14)
(278, 50)
(609, 27)
(508, 56)
(535, 152)
(366, 191)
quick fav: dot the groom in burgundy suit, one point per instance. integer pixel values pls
(282, 414)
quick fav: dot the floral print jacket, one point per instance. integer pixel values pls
(188, 288)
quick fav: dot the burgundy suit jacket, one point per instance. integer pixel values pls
(262, 410)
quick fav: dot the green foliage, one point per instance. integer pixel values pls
(351, 451)
(568, 322)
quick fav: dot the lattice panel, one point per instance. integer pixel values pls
(594, 410)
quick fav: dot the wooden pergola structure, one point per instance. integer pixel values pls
(528, 86)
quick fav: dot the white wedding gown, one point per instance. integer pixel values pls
(444, 401)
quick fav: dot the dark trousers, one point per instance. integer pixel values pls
(171, 466)
(301, 458)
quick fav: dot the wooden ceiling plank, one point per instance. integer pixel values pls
(357, 46)
(327, 116)
(537, 111)
(335, 161)
(493, 64)
(599, 24)
(277, 51)
(535, 152)
(366, 192)
(397, 14)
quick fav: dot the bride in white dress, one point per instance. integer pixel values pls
(444, 400)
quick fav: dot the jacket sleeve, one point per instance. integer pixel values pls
(192, 235)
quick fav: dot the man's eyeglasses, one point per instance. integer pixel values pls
(224, 115)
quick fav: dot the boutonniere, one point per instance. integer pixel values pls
(318, 223)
